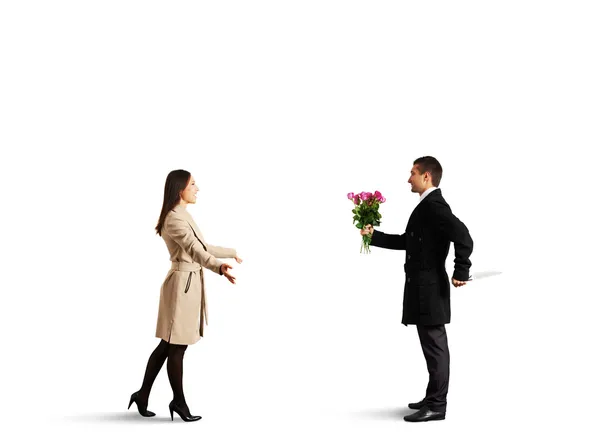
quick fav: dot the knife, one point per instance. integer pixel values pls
(481, 275)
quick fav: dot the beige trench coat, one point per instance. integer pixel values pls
(182, 310)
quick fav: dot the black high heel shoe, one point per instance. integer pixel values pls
(183, 413)
(142, 409)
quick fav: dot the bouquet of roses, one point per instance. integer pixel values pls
(366, 211)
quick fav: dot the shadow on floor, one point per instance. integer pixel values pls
(129, 417)
(383, 413)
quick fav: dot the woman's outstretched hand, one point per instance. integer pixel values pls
(239, 260)
(224, 268)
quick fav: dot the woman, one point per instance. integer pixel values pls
(182, 309)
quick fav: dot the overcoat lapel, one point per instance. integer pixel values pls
(193, 226)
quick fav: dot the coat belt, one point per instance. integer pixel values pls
(194, 267)
(186, 266)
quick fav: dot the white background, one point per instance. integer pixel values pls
(279, 109)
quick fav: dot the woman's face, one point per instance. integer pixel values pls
(188, 195)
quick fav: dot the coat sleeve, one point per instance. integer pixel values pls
(457, 232)
(181, 232)
(391, 241)
(221, 252)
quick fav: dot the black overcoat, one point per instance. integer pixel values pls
(430, 229)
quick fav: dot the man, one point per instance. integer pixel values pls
(430, 229)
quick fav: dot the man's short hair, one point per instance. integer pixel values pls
(431, 165)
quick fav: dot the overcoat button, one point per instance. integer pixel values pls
(408, 256)
(408, 279)
(412, 234)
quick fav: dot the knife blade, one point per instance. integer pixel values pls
(481, 275)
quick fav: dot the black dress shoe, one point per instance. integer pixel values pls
(142, 407)
(183, 412)
(424, 415)
(417, 405)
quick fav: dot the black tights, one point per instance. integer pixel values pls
(174, 354)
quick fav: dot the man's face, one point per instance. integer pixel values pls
(417, 180)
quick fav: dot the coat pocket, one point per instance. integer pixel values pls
(429, 299)
(187, 286)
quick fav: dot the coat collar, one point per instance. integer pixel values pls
(180, 209)
(426, 193)
(435, 194)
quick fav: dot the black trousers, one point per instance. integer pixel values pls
(434, 343)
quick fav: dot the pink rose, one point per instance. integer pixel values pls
(382, 199)
(378, 195)
(356, 200)
(351, 195)
(364, 195)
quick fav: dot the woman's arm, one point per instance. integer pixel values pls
(221, 252)
(181, 232)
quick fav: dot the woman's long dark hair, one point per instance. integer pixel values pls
(176, 182)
